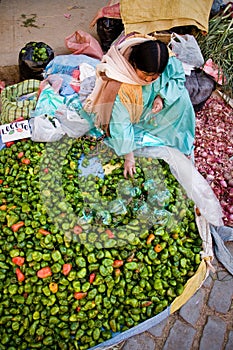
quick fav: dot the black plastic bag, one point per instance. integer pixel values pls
(108, 29)
(33, 58)
(200, 87)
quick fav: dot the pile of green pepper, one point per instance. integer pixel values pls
(83, 257)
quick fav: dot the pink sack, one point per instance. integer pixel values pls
(84, 43)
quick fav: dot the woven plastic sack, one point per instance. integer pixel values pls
(18, 100)
(81, 42)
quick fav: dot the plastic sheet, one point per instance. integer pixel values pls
(196, 187)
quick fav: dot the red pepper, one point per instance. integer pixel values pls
(9, 144)
(92, 277)
(80, 295)
(20, 275)
(44, 272)
(109, 233)
(1, 181)
(146, 303)
(77, 229)
(117, 272)
(117, 263)
(17, 226)
(26, 161)
(18, 260)
(18, 119)
(44, 232)
(20, 154)
(66, 269)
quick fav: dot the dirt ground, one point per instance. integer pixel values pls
(9, 74)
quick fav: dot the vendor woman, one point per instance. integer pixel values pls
(140, 94)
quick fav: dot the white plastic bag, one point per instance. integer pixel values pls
(46, 129)
(186, 49)
(71, 122)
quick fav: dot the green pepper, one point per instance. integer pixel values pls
(80, 261)
(54, 310)
(51, 300)
(172, 249)
(41, 330)
(33, 327)
(96, 334)
(131, 265)
(12, 219)
(56, 255)
(197, 259)
(48, 340)
(82, 273)
(133, 302)
(56, 267)
(158, 285)
(12, 289)
(92, 294)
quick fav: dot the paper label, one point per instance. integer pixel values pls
(15, 131)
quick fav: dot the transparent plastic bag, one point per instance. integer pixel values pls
(186, 49)
(195, 185)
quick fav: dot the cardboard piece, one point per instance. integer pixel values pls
(15, 131)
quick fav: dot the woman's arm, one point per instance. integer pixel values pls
(172, 82)
(122, 136)
(121, 130)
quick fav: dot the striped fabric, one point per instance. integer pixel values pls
(13, 103)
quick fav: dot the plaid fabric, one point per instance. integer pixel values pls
(12, 107)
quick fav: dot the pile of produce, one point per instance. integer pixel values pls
(85, 257)
(38, 51)
(214, 151)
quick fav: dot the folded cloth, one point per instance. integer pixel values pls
(148, 16)
(220, 235)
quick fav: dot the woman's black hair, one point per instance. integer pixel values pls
(150, 56)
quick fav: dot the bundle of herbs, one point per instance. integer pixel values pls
(218, 46)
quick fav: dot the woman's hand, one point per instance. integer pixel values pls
(129, 166)
(157, 105)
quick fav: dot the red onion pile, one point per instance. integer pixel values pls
(214, 151)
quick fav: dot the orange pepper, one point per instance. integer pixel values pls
(92, 277)
(20, 275)
(44, 272)
(158, 248)
(18, 260)
(17, 226)
(43, 232)
(79, 295)
(150, 238)
(109, 233)
(77, 229)
(53, 287)
(66, 269)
